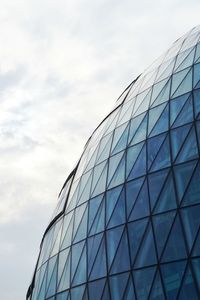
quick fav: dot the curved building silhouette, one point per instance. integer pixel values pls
(127, 222)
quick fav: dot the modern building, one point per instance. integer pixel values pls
(127, 222)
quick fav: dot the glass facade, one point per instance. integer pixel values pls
(127, 223)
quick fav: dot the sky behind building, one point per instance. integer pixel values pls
(62, 66)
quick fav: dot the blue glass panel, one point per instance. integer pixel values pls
(111, 200)
(93, 244)
(132, 191)
(106, 293)
(177, 79)
(76, 254)
(185, 115)
(140, 134)
(143, 280)
(93, 208)
(62, 296)
(65, 278)
(141, 207)
(114, 162)
(178, 136)
(117, 285)
(155, 184)
(80, 274)
(95, 289)
(185, 86)
(189, 149)
(162, 225)
(154, 115)
(135, 233)
(99, 268)
(52, 283)
(196, 267)
(104, 148)
(153, 146)
(132, 154)
(129, 293)
(167, 198)
(82, 229)
(139, 167)
(188, 289)
(147, 252)
(190, 218)
(193, 191)
(122, 260)
(120, 138)
(77, 293)
(176, 106)
(188, 60)
(119, 175)
(162, 124)
(162, 159)
(183, 174)
(99, 221)
(135, 122)
(119, 215)
(175, 247)
(196, 78)
(196, 95)
(63, 257)
(172, 274)
(113, 238)
(164, 94)
(157, 292)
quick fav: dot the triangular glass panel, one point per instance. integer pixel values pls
(178, 136)
(99, 266)
(111, 200)
(64, 281)
(162, 124)
(106, 293)
(118, 284)
(95, 289)
(157, 292)
(51, 276)
(175, 247)
(93, 244)
(132, 155)
(167, 198)
(93, 208)
(99, 220)
(157, 88)
(165, 69)
(97, 174)
(121, 261)
(77, 250)
(129, 293)
(104, 148)
(188, 288)
(132, 191)
(196, 268)
(62, 296)
(164, 94)
(154, 115)
(82, 229)
(196, 79)
(91, 162)
(77, 292)
(120, 138)
(193, 191)
(143, 281)
(63, 255)
(118, 215)
(162, 224)
(147, 253)
(79, 212)
(67, 230)
(141, 132)
(196, 95)
(84, 191)
(135, 233)
(153, 146)
(178, 78)
(101, 183)
(119, 175)
(141, 207)
(42, 290)
(114, 162)
(188, 58)
(125, 113)
(80, 274)
(189, 149)
(183, 174)
(176, 106)
(162, 159)
(172, 274)
(139, 168)
(135, 123)
(144, 105)
(186, 114)
(190, 220)
(155, 182)
(113, 238)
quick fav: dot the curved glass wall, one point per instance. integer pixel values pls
(127, 224)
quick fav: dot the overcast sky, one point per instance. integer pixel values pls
(62, 66)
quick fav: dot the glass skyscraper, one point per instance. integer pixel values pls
(127, 222)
